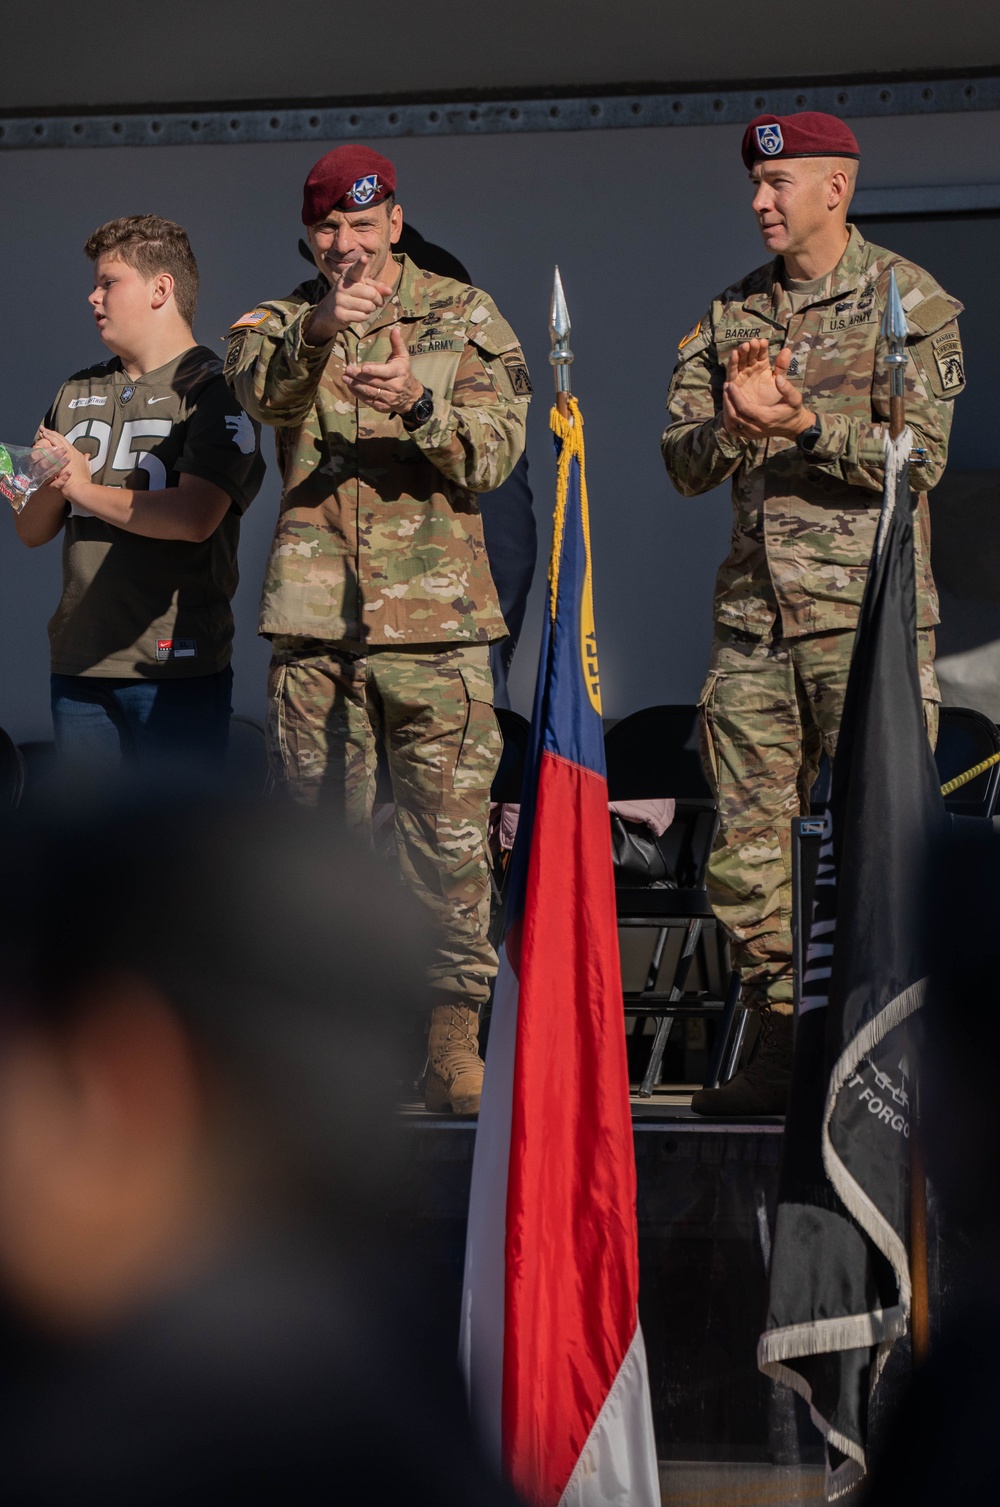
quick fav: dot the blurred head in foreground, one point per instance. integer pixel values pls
(198, 1006)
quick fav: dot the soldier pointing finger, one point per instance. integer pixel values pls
(343, 251)
(398, 396)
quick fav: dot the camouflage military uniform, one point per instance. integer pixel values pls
(432, 712)
(787, 598)
(378, 595)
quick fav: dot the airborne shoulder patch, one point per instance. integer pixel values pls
(251, 320)
(947, 348)
(517, 371)
(233, 354)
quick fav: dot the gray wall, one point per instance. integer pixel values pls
(965, 516)
(192, 50)
(646, 226)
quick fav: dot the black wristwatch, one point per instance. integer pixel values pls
(807, 439)
(420, 412)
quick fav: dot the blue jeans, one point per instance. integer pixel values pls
(103, 722)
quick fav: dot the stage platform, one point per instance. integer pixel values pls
(726, 1436)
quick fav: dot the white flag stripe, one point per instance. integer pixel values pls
(617, 1466)
(480, 1344)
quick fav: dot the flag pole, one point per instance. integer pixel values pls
(895, 331)
(920, 1311)
(560, 356)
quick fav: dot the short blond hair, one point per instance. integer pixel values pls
(151, 245)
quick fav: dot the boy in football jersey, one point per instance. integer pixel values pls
(160, 463)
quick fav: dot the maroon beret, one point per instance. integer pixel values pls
(810, 133)
(349, 177)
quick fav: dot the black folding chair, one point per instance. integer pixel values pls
(668, 928)
(11, 773)
(965, 739)
(38, 760)
(515, 731)
(506, 790)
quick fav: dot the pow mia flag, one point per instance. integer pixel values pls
(840, 1279)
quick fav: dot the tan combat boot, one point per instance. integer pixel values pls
(454, 1067)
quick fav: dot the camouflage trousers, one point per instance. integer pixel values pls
(331, 708)
(769, 709)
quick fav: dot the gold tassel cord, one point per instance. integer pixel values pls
(568, 429)
(970, 774)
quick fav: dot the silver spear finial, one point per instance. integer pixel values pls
(894, 325)
(559, 327)
(894, 333)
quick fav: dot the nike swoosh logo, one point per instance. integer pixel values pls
(150, 401)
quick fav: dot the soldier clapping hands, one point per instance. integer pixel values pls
(758, 400)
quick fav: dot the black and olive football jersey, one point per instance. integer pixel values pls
(134, 607)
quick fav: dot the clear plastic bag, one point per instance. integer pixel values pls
(23, 469)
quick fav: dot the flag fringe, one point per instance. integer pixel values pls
(879, 1328)
(856, 1331)
(897, 456)
(850, 1192)
(844, 1478)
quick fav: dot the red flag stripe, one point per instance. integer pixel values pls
(570, 1311)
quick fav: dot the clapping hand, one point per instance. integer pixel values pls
(758, 400)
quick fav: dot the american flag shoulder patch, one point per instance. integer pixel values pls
(250, 320)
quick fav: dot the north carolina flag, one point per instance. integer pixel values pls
(550, 1344)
